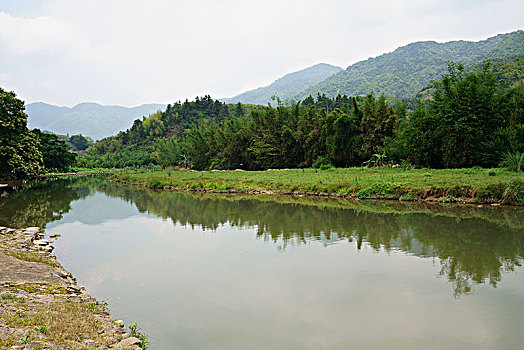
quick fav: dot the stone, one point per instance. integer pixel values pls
(119, 323)
(128, 343)
(74, 288)
(40, 242)
(47, 248)
(32, 229)
(60, 274)
(55, 235)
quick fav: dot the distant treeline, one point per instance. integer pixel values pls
(471, 120)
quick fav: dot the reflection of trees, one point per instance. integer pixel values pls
(473, 245)
(41, 202)
(470, 249)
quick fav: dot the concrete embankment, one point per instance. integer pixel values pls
(41, 304)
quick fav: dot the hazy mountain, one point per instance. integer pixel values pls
(408, 69)
(88, 119)
(288, 86)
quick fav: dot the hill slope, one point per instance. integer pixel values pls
(88, 119)
(408, 69)
(288, 86)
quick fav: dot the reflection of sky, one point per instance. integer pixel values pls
(97, 209)
(225, 289)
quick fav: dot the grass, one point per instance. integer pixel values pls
(62, 322)
(473, 185)
(65, 322)
(33, 257)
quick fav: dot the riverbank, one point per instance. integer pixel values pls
(42, 306)
(440, 185)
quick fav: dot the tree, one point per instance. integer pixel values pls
(54, 151)
(80, 142)
(20, 157)
(467, 115)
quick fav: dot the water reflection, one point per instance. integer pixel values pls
(42, 202)
(473, 245)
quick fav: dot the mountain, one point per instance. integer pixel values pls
(288, 86)
(88, 119)
(408, 69)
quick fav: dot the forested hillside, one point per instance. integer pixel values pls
(409, 69)
(134, 146)
(508, 72)
(89, 119)
(288, 86)
(471, 121)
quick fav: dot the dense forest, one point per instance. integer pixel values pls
(135, 146)
(27, 153)
(408, 69)
(472, 119)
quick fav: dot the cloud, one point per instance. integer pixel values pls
(132, 52)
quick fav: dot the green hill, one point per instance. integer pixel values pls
(286, 87)
(408, 69)
(88, 119)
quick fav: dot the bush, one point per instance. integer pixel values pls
(513, 161)
(322, 163)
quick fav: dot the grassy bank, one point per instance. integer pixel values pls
(445, 185)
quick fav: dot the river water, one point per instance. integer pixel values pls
(267, 272)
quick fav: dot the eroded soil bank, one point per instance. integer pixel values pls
(41, 304)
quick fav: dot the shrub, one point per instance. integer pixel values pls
(513, 161)
(322, 163)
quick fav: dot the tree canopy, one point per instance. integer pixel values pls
(20, 156)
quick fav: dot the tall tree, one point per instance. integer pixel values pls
(20, 157)
(466, 108)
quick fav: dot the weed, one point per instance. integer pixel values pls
(42, 329)
(134, 331)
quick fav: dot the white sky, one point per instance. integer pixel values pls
(129, 52)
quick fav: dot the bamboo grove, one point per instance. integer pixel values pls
(470, 121)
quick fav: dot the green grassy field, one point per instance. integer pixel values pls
(445, 185)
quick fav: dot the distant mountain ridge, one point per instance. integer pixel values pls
(288, 86)
(88, 119)
(408, 69)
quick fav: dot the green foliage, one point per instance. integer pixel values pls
(54, 151)
(134, 331)
(513, 161)
(80, 142)
(117, 159)
(408, 69)
(322, 163)
(20, 157)
(469, 122)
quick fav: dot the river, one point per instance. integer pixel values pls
(203, 271)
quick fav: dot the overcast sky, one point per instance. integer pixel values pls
(128, 52)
